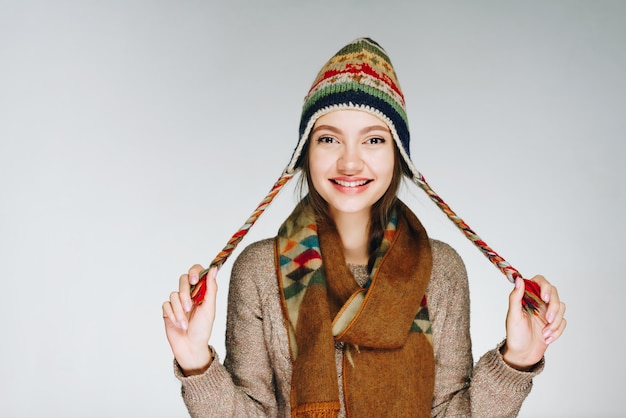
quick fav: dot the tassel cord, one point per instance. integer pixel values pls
(532, 302)
(199, 290)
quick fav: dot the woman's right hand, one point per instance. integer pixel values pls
(187, 326)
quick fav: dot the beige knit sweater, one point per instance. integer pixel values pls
(255, 377)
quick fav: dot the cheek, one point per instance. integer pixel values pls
(318, 168)
(384, 166)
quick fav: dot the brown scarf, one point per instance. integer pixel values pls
(388, 366)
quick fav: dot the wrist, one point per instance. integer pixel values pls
(515, 360)
(200, 363)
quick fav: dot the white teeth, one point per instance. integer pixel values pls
(350, 183)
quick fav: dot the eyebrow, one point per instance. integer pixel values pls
(365, 130)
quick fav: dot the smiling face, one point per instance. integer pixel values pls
(351, 161)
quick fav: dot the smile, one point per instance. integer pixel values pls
(355, 183)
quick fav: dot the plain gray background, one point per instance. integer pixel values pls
(137, 136)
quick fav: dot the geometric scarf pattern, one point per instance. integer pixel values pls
(381, 322)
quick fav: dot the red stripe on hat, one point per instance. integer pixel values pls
(360, 68)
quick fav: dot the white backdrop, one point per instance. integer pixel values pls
(137, 136)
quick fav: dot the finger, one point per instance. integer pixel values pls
(556, 324)
(210, 296)
(550, 295)
(545, 286)
(211, 285)
(559, 331)
(194, 273)
(559, 314)
(556, 334)
(184, 289)
(179, 317)
(516, 295)
(167, 313)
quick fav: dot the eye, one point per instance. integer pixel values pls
(326, 140)
(375, 140)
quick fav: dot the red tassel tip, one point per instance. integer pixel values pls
(199, 290)
(532, 301)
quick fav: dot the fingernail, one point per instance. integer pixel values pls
(193, 279)
(550, 317)
(187, 306)
(183, 325)
(547, 333)
(549, 340)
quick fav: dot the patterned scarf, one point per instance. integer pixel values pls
(388, 365)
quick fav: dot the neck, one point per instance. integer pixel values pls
(353, 230)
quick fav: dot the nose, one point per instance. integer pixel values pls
(350, 162)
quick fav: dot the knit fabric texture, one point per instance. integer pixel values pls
(360, 76)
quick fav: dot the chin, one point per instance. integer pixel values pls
(350, 209)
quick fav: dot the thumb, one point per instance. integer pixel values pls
(203, 315)
(516, 296)
(211, 286)
(208, 303)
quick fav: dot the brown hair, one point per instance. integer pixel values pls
(380, 211)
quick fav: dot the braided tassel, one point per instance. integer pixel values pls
(199, 290)
(531, 302)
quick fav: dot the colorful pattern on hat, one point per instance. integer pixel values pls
(359, 76)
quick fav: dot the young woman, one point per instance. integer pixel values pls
(351, 310)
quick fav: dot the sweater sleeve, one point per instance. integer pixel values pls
(489, 388)
(244, 384)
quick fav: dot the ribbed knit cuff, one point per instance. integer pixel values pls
(507, 376)
(202, 386)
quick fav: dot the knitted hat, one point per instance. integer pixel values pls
(360, 76)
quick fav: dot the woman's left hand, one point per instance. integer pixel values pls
(527, 335)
